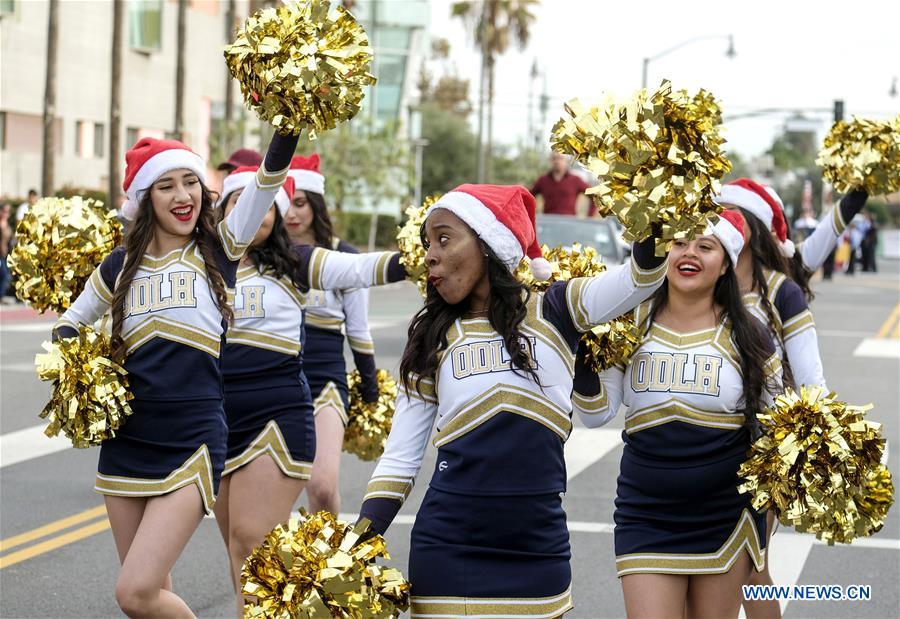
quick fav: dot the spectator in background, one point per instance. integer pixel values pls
(23, 208)
(855, 234)
(804, 225)
(240, 157)
(560, 188)
(6, 235)
(869, 244)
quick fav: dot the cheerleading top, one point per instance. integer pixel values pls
(684, 392)
(794, 330)
(171, 317)
(267, 335)
(816, 247)
(475, 383)
(347, 310)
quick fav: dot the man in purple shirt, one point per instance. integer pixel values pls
(560, 188)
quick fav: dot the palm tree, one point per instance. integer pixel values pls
(497, 23)
(49, 142)
(179, 70)
(115, 104)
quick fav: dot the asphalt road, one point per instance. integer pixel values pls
(58, 558)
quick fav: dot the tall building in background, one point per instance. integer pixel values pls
(397, 30)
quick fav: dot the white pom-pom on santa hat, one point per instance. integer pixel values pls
(149, 159)
(503, 216)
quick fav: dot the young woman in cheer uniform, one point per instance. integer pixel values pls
(166, 290)
(328, 314)
(271, 434)
(685, 539)
(493, 364)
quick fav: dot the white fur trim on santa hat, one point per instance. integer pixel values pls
(233, 182)
(735, 195)
(282, 201)
(729, 236)
(160, 163)
(488, 228)
(307, 180)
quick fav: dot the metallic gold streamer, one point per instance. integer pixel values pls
(369, 424)
(409, 242)
(658, 157)
(59, 243)
(817, 464)
(863, 154)
(607, 344)
(313, 567)
(90, 392)
(302, 65)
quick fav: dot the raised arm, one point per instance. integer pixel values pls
(240, 226)
(398, 467)
(815, 249)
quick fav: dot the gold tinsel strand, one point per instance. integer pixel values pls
(302, 65)
(313, 567)
(59, 243)
(658, 157)
(863, 154)
(369, 424)
(90, 392)
(608, 343)
(817, 464)
(409, 242)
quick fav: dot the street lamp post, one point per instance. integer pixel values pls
(730, 53)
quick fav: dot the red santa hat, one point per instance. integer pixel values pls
(763, 202)
(241, 177)
(306, 174)
(729, 229)
(503, 217)
(147, 161)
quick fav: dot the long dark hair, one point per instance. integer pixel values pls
(747, 333)
(427, 335)
(275, 255)
(137, 239)
(323, 230)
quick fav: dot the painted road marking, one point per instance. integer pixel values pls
(28, 444)
(64, 523)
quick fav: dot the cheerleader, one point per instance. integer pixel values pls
(328, 314)
(493, 365)
(167, 292)
(271, 434)
(685, 539)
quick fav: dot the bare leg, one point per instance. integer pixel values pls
(718, 596)
(125, 515)
(322, 491)
(259, 497)
(221, 511)
(763, 609)
(654, 596)
(166, 527)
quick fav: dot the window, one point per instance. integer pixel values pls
(79, 137)
(98, 141)
(145, 25)
(2, 130)
(131, 137)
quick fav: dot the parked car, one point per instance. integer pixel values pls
(565, 230)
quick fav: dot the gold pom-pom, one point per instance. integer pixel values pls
(90, 395)
(817, 464)
(607, 344)
(658, 157)
(302, 65)
(59, 243)
(316, 567)
(863, 154)
(368, 423)
(409, 242)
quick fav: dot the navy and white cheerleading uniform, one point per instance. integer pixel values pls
(174, 334)
(329, 315)
(490, 538)
(678, 510)
(793, 331)
(815, 248)
(267, 400)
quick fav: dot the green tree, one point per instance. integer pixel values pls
(497, 23)
(522, 167)
(449, 158)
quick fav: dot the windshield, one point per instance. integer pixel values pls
(566, 231)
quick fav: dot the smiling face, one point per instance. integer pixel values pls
(268, 221)
(176, 197)
(457, 266)
(696, 265)
(299, 218)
